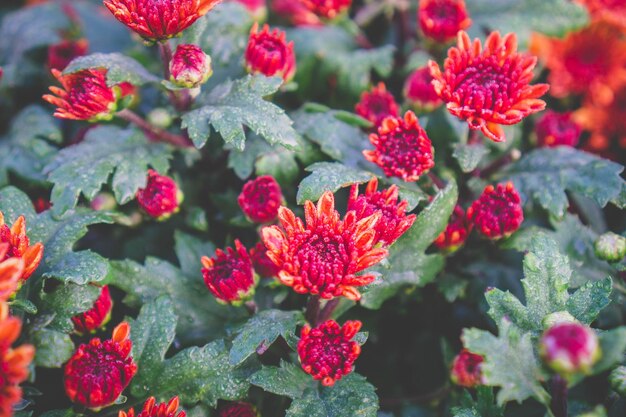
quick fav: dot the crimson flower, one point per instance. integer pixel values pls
(393, 221)
(612, 11)
(19, 246)
(324, 257)
(570, 347)
(557, 129)
(152, 409)
(488, 87)
(62, 53)
(161, 196)
(402, 148)
(327, 9)
(11, 271)
(497, 212)
(260, 199)
(257, 8)
(85, 95)
(456, 231)
(190, 67)
(441, 20)
(229, 275)
(377, 104)
(419, 91)
(262, 264)
(97, 316)
(98, 372)
(466, 369)
(270, 54)
(327, 352)
(295, 12)
(238, 409)
(156, 20)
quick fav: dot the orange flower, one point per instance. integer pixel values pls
(613, 11)
(11, 271)
(19, 246)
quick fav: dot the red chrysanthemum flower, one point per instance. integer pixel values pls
(393, 221)
(441, 20)
(260, 199)
(419, 91)
(557, 129)
(466, 369)
(497, 212)
(238, 409)
(62, 53)
(157, 20)
(11, 271)
(578, 66)
(152, 409)
(262, 264)
(488, 87)
(377, 104)
(270, 54)
(456, 231)
(257, 8)
(402, 148)
(323, 258)
(327, 9)
(97, 316)
(19, 245)
(229, 275)
(98, 372)
(161, 197)
(190, 67)
(327, 352)
(295, 12)
(570, 347)
(613, 11)
(85, 95)
(14, 362)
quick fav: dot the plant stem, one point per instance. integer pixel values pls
(511, 156)
(166, 57)
(328, 310)
(439, 183)
(558, 404)
(251, 307)
(312, 310)
(155, 132)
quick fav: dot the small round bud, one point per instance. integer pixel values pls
(618, 380)
(557, 129)
(160, 118)
(190, 67)
(569, 348)
(610, 247)
(556, 318)
(103, 201)
(419, 91)
(161, 197)
(260, 199)
(466, 369)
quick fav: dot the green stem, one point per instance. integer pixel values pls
(160, 134)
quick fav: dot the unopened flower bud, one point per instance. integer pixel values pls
(618, 380)
(466, 369)
(556, 318)
(190, 67)
(570, 348)
(104, 201)
(610, 247)
(161, 197)
(160, 118)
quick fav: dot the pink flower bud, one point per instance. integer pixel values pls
(190, 67)
(466, 369)
(569, 348)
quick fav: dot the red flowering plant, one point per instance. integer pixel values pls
(391, 208)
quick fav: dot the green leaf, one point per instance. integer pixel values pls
(552, 17)
(546, 173)
(469, 156)
(52, 348)
(66, 301)
(120, 68)
(510, 362)
(328, 176)
(288, 380)
(349, 397)
(613, 346)
(434, 218)
(107, 151)
(587, 302)
(258, 333)
(264, 159)
(14, 203)
(233, 105)
(189, 250)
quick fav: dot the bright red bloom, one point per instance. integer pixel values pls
(85, 95)
(570, 347)
(393, 221)
(295, 12)
(262, 264)
(327, 352)
(96, 317)
(11, 271)
(323, 258)
(466, 369)
(229, 275)
(488, 87)
(268, 53)
(557, 129)
(419, 90)
(190, 67)
(497, 212)
(62, 53)
(441, 20)
(14, 363)
(19, 246)
(402, 148)
(260, 199)
(613, 11)
(456, 231)
(161, 197)
(257, 8)
(156, 20)
(238, 409)
(98, 372)
(377, 104)
(152, 409)
(327, 9)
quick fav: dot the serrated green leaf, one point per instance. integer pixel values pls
(328, 176)
(107, 151)
(189, 250)
(510, 362)
(349, 397)
(258, 333)
(587, 302)
(288, 380)
(434, 218)
(613, 347)
(66, 301)
(264, 159)
(14, 203)
(120, 68)
(236, 104)
(469, 156)
(52, 348)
